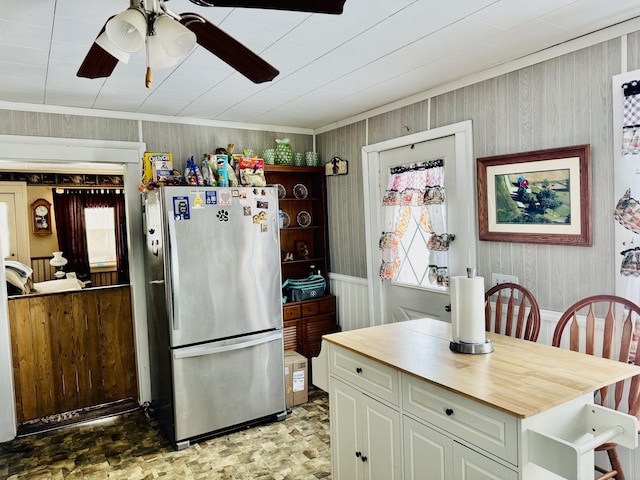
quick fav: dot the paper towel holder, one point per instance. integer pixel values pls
(472, 348)
(464, 347)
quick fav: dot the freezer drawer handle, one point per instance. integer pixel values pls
(208, 350)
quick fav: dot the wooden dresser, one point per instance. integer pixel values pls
(305, 323)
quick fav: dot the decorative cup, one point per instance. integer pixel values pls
(311, 158)
(298, 159)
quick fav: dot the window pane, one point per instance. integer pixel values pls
(101, 236)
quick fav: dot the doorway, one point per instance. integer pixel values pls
(13, 222)
(391, 296)
(89, 152)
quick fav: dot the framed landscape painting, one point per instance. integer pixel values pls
(542, 196)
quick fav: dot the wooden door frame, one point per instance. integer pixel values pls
(465, 179)
(19, 148)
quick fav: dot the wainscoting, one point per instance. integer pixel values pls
(72, 351)
(352, 304)
(42, 272)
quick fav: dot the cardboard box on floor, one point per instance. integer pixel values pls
(295, 378)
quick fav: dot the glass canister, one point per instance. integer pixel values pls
(311, 158)
(284, 153)
(298, 159)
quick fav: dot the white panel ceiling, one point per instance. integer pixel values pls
(331, 67)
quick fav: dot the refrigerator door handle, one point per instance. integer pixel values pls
(175, 283)
(199, 350)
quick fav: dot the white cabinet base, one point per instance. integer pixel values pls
(387, 425)
(368, 444)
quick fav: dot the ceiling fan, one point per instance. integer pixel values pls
(168, 36)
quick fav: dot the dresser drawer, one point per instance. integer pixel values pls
(369, 375)
(309, 309)
(291, 312)
(486, 428)
(327, 304)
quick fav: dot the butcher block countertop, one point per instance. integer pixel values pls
(519, 377)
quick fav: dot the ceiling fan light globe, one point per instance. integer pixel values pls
(127, 30)
(158, 56)
(177, 40)
(108, 46)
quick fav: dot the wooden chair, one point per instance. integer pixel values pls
(619, 316)
(522, 319)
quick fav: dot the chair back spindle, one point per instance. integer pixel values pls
(522, 317)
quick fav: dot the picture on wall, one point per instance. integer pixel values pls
(541, 196)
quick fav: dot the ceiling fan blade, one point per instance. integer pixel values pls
(229, 49)
(98, 63)
(312, 6)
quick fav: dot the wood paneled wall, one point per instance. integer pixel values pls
(71, 351)
(42, 272)
(345, 202)
(15, 122)
(186, 140)
(562, 101)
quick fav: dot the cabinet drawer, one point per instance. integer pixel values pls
(327, 305)
(290, 312)
(310, 309)
(369, 375)
(487, 428)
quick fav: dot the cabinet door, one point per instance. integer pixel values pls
(381, 449)
(346, 457)
(427, 453)
(313, 328)
(471, 465)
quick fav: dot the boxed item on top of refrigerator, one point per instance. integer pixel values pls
(252, 172)
(157, 167)
(295, 379)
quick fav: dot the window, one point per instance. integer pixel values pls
(101, 236)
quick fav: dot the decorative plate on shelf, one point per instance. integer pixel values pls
(282, 192)
(284, 219)
(303, 218)
(300, 191)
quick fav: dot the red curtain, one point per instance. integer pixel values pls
(72, 240)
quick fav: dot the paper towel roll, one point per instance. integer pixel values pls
(467, 309)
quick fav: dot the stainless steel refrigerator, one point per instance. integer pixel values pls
(214, 309)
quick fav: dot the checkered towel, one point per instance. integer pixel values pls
(631, 108)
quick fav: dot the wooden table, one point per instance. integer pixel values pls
(537, 390)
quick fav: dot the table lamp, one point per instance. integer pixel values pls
(58, 261)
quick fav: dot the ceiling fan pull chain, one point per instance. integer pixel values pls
(149, 76)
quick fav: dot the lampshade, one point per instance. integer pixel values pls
(58, 260)
(109, 47)
(176, 39)
(157, 55)
(127, 30)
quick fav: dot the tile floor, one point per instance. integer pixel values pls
(131, 446)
